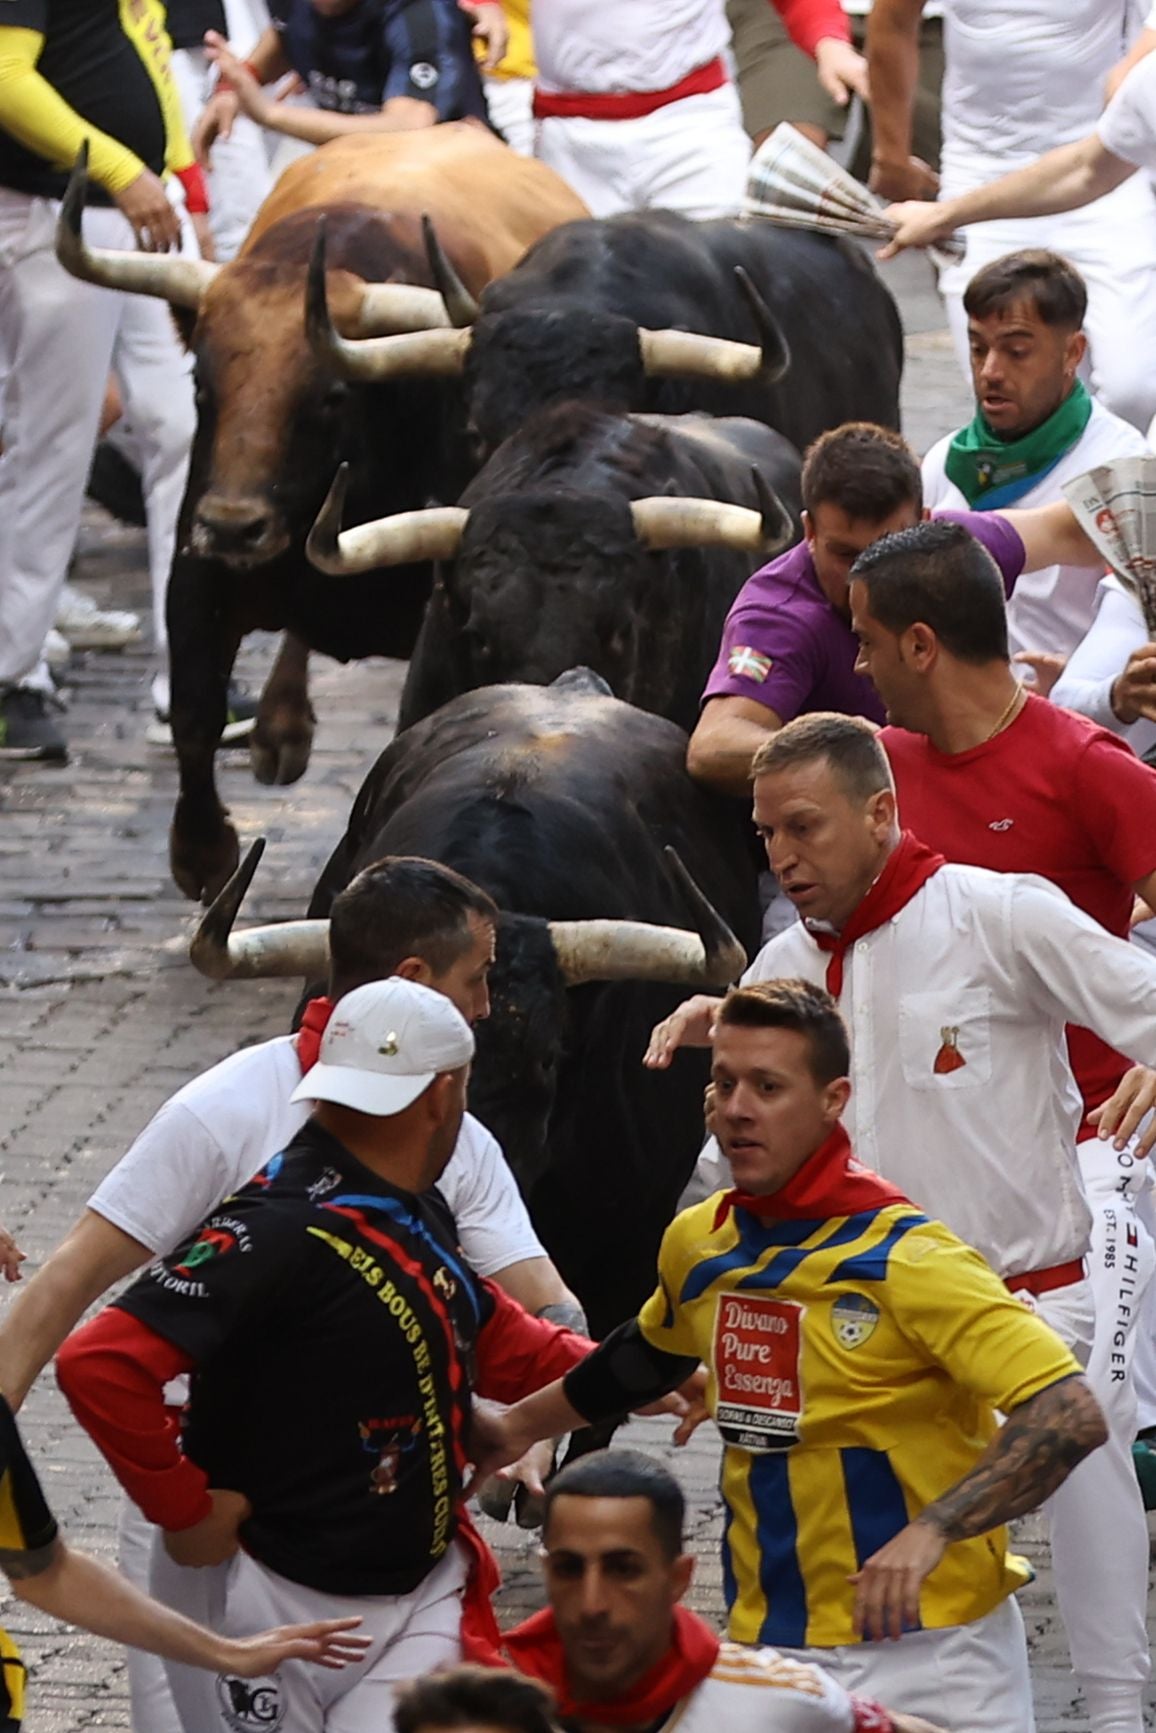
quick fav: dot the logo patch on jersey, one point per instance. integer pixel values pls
(1001, 824)
(444, 1283)
(217, 1240)
(387, 1441)
(757, 1345)
(424, 75)
(949, 1058)
(250, 1705)
(325, 1182)
(853, 1319)
(749, 664)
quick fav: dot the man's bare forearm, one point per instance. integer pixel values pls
(893, 68)
(319, 125)
(1033, 1453)
(82, 1268)
(1063, 180)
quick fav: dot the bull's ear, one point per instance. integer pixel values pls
(185, 321)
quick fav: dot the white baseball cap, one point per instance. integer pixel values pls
(384, 1044)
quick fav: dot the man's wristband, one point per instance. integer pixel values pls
(196, 192)
(225, 83)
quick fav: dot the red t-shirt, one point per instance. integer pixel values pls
(1052, 794)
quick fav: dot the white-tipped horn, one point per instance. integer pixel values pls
(403, 539)
(387, 308)
(690, 354)
(290, 948)
(665, 521)
(167, 275)
(634, 951)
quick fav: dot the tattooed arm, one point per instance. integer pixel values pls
(1033, 1453)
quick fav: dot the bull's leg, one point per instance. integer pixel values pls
(203, 637)
(283, 736)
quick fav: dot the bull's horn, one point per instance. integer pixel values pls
(290, 948)
(173, 278)
(404, 539)
(459, 303)
(776, 351)
(635, 951)
(382, 308)
(664, 521)
(376, 358)
(690, 354)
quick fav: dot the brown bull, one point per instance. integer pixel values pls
(273, 424)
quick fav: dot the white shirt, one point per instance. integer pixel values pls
(219, 1130)
(1050, 608)
(760, 1691)
(1005, 961)
(1127, 126)
(1022, 77)
(1086, 683)
(634, 46)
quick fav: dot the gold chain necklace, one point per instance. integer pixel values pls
(1017, 696)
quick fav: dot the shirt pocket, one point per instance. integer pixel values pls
(945, 1038)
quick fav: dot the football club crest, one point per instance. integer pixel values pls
(853, 1319)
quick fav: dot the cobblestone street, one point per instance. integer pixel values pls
(101, 1018)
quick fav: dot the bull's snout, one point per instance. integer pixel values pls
(245, 530)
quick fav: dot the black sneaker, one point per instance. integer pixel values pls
(27, 731)
(239, 719)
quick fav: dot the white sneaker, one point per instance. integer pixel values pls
(88, 627)
(56, 650)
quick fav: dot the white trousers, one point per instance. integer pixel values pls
(511, 105)
(151, 1701)
(239, 177)
(965, 1678)
(1112, 242)
(412, 1634)
(1098, 1526)
(59, 340)
(691, 156)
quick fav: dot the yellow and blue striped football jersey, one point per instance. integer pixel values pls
(855, 1367)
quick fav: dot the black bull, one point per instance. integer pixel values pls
(566, 322)
(559, 801)
(569, 556)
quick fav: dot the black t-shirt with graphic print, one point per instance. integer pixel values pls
(332, 1320)
(354, 61)
(90, 62)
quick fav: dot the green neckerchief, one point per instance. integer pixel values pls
(991, 472)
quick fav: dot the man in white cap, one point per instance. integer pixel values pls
(333, 1327)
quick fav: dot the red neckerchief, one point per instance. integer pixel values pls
(829, 1183)
(535, 1648)
(907, 871)
(308, 1038)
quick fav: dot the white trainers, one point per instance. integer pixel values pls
(57, 651)
(88, 627)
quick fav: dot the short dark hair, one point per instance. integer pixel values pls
(401, 906)
(467, 1696)
(797, 1005)
(939, 575)
(867, 471)
(850, 745)
(1052, 284)
(625, 1474)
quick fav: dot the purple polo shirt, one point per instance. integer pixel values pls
(784, 645)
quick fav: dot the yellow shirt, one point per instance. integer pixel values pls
(518, 61)
(855, 1366)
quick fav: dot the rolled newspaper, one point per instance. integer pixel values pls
(1115, 506)
(795, 184)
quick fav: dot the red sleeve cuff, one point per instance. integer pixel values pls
(196, 192)
(518, 1354)
(113, 1372)
(809, 21)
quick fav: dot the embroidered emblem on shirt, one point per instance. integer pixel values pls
(1001, 824)
(445, 1283)
(749, 663)
(250, 1703)
(949, 1058)
(424, 75)
(853, 1319)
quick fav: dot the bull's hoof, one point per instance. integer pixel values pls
(496, 1496)
(202, 867)
(529, 1508)
(279, 757)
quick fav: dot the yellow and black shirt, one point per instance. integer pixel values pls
(27, 1546)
